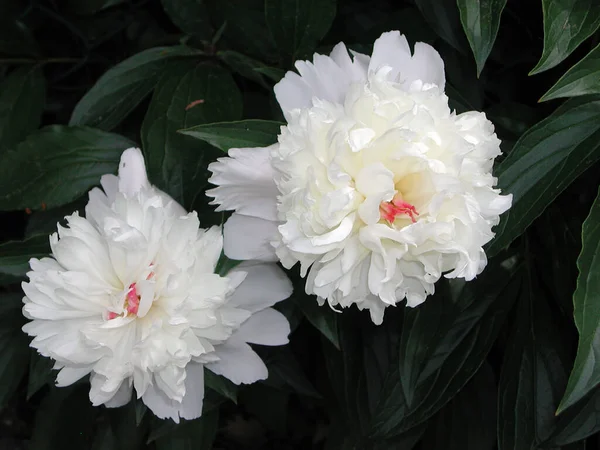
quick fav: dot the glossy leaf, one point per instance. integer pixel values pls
(244, 133)
(585, 375)
(468, 421)
(62, 164)
(567, 23)
(15, 255)
(189, 94)
(123, 87)
(190, 16)
(480, 20)
(244, 65)
(581, 79)
(444, 18)
(534, 371)
(577, 423)
(545, 160)
(297, 26)
(21, 105)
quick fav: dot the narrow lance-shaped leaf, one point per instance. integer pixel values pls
(123, 87)
(56, 165)
(481, 20)
(567, 23)
(545, 160)
(581, 79)
(443, 17)
(244, 133)
(585, 375)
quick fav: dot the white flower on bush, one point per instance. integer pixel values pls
(130, 298)
(375, 186)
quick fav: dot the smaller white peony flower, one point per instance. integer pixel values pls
(375, 186)
(130, 298)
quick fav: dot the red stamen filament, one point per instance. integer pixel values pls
(390, 210)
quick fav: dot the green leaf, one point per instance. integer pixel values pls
(481, 20)
(545, 160)
(297, 26)
(444, 18)
(40, 373)
(190, 16)
(187, 95)
(285, 370)
(245, 66)
(90, 6)
(241, 134)
(567, 23)
(534, 371)
(585, 375)
(221, 385)
(443, 343)
(321, 317)
(581, 79)
(56, 165)
(21, 103)
(14, 346)
(577, 423)
(15, 255)
(46, 221)
(197, 434)
(468, 422)
(15, 38)
(123, 87)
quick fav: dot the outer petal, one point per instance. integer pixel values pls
(132, 172)
(122, 396)
(264, 285)
(245, 183)
(238, 363)
(249, 238)
(267, 327)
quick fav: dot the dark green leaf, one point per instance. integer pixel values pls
(90, 6)
(40, 373)
(61, 164)
(245, 66)
(547, 158)
(269, 405)
(443, 343)
(297, 26)
(15, 255)
(581, 79)
(444, 18)
(585, 375)
(197, 434)
(221, 385)
(481, 20)
(16, 38)
(567, 23)
(272, 73)
(129, 432)
(186, 96)
(284, 370)
(123, 87)
(321, 317)
(21, 104)
(45, 221)
(244, 133)
(578, 422)
(105, 439)
(468, 422)
(190, 16)
(534, 371)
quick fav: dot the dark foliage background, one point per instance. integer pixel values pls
(479, 366)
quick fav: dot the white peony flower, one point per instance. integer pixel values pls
(375, 187)
(130, 298)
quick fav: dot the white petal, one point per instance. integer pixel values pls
(427, 66)
(245, 183)
(267, 327)
(238, 363)
(132, 172)
(264, 285)
(69, 375)
(122, 396)
(246, 237)
(392, 50)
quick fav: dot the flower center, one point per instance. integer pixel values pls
(132, 299)
(397, 207)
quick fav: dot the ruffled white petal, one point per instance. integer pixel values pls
(267, 327)
(263, 286)
(249, 238)
(239, 363)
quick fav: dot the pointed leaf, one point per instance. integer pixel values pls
(190, 16)
(189, 94)
(444, 18)
(62, 164)
(21, 104)
(123, 87)
(481, 20)
(577, 423)
(545, 160)
(322, 318)
(567, 23)
(244, 133)
(221, 385)
(581, 79)
(40, 373)
(15, 255)
(585, 375)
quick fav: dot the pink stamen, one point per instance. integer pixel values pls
(133, 300)
(390, 210)
(112, 315)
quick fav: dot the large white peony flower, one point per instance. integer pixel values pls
(376, 187)
(130, 298)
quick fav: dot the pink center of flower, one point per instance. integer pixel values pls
(397, 207)
(132, 300)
